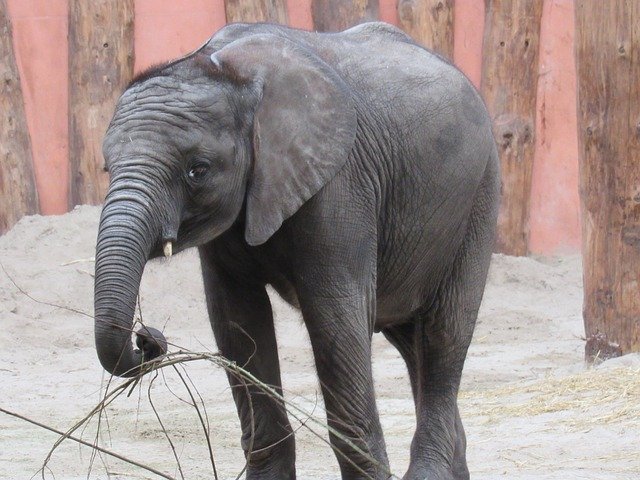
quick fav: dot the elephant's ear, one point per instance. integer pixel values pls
(304, 127)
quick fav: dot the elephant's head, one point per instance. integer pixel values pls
(245, 133)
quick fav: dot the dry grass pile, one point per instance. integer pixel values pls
(580, 395)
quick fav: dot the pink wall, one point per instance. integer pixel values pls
(40, 44)
(300, 14)
(468, 30)
(166, 29)
(388, 11)
(555, 205)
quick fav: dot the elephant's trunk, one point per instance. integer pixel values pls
(126, 236)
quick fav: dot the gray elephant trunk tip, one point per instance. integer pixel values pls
(151, 342)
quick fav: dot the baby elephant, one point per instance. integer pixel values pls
(354, 172)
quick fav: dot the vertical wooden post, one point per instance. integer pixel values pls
(608, 66)
(272, 11)
(509, 86)
(336, 15)
(429, 22)
(17, 181)
(100, 65)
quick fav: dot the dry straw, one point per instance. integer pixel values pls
(582, 395)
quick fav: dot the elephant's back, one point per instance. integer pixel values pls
(407, 86)
(376, 60)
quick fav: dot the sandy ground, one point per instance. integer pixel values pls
(531, 408)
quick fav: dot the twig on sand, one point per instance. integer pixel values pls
(80, 260)
(87, 444)
(174, 359)
(205, 425)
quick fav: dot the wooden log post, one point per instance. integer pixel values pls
(608, 70)
(17, 179)
(429, 22)
(100, 65)
(337, 15)
(509, 86)
(272, 11)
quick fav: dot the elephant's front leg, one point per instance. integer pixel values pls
(242, 320)
(339, 324)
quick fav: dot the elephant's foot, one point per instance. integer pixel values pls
(436, 473)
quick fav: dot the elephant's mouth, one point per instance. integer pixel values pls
(193, 231)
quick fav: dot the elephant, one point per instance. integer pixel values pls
(356, 173)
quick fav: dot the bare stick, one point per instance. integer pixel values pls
(205, 426)
(22, 291)
(164, 430)
(82, 442)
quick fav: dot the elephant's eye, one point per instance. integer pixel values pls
(198, 171)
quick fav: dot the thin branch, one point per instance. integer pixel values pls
(41, 302)
(164, 430)
(87, 444)
(205, 426)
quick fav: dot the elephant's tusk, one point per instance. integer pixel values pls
(168, 248)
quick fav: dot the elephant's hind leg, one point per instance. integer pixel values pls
(403, 338)
(435, 344)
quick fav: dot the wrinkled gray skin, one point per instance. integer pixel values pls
(354, 172)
